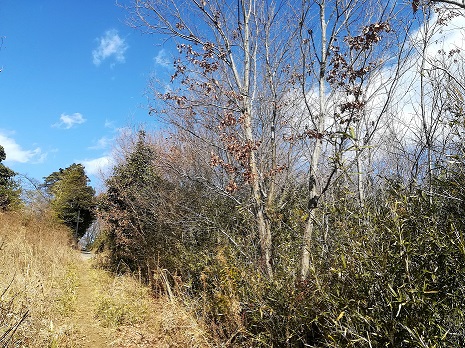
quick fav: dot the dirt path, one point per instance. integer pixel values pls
(86, 255)
(91, 333)
(119, 312)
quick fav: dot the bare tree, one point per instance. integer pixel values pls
(340, 52)
(252, 76)
(231, 83)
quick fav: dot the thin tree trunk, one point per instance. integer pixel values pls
(264, 231)
(312, 205)
(426, 125)
(316, 153)
(360, 184)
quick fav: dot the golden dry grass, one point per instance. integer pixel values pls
(66, 303)
(139, 320)
(35, 261)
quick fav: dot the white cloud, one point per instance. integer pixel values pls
(402, 124)
(15, 153)
(162, 59)
(101, 144)
(446, 38)
(97, 165)
(68, 121)
(110, 44)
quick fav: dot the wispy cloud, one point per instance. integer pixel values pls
(110, 45)
(109, 124)
(68, 121)
(15, 153)
(162, 59)
(101, 144)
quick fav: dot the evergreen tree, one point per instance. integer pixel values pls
(72, 197)
(136, 231)
(9, 188)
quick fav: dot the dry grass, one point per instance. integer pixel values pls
(53, 298)
(140, 320)
(35, 275)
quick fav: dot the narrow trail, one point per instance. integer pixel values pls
(91, 333)
(71, 303)
(119, 312)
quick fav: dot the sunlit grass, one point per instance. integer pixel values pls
(35, 257)
(51, 298)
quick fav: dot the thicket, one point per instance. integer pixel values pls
(386, 274)
(307, 191)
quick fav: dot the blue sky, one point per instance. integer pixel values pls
(74, 75)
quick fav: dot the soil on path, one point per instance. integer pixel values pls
(90, 331)
(145, 321)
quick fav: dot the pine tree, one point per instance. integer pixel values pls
(72, 197)
(9, 188)
(136, 231)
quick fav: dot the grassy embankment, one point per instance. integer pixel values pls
(51, 297)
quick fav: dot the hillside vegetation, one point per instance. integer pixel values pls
(50, 297)
(305, 187)
(385, 274)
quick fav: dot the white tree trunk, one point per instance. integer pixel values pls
(316, 153)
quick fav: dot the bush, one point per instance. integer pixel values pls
(385, 275)
(388, 275)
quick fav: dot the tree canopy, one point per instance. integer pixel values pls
(72, 199)
(9, 188)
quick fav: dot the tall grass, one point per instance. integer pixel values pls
(35, 258)
(141, 320)
(49, 297)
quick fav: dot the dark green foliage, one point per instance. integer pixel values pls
(9, 188)
(129, 208)
(152, 223)
(389, 274)
(72, 199)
